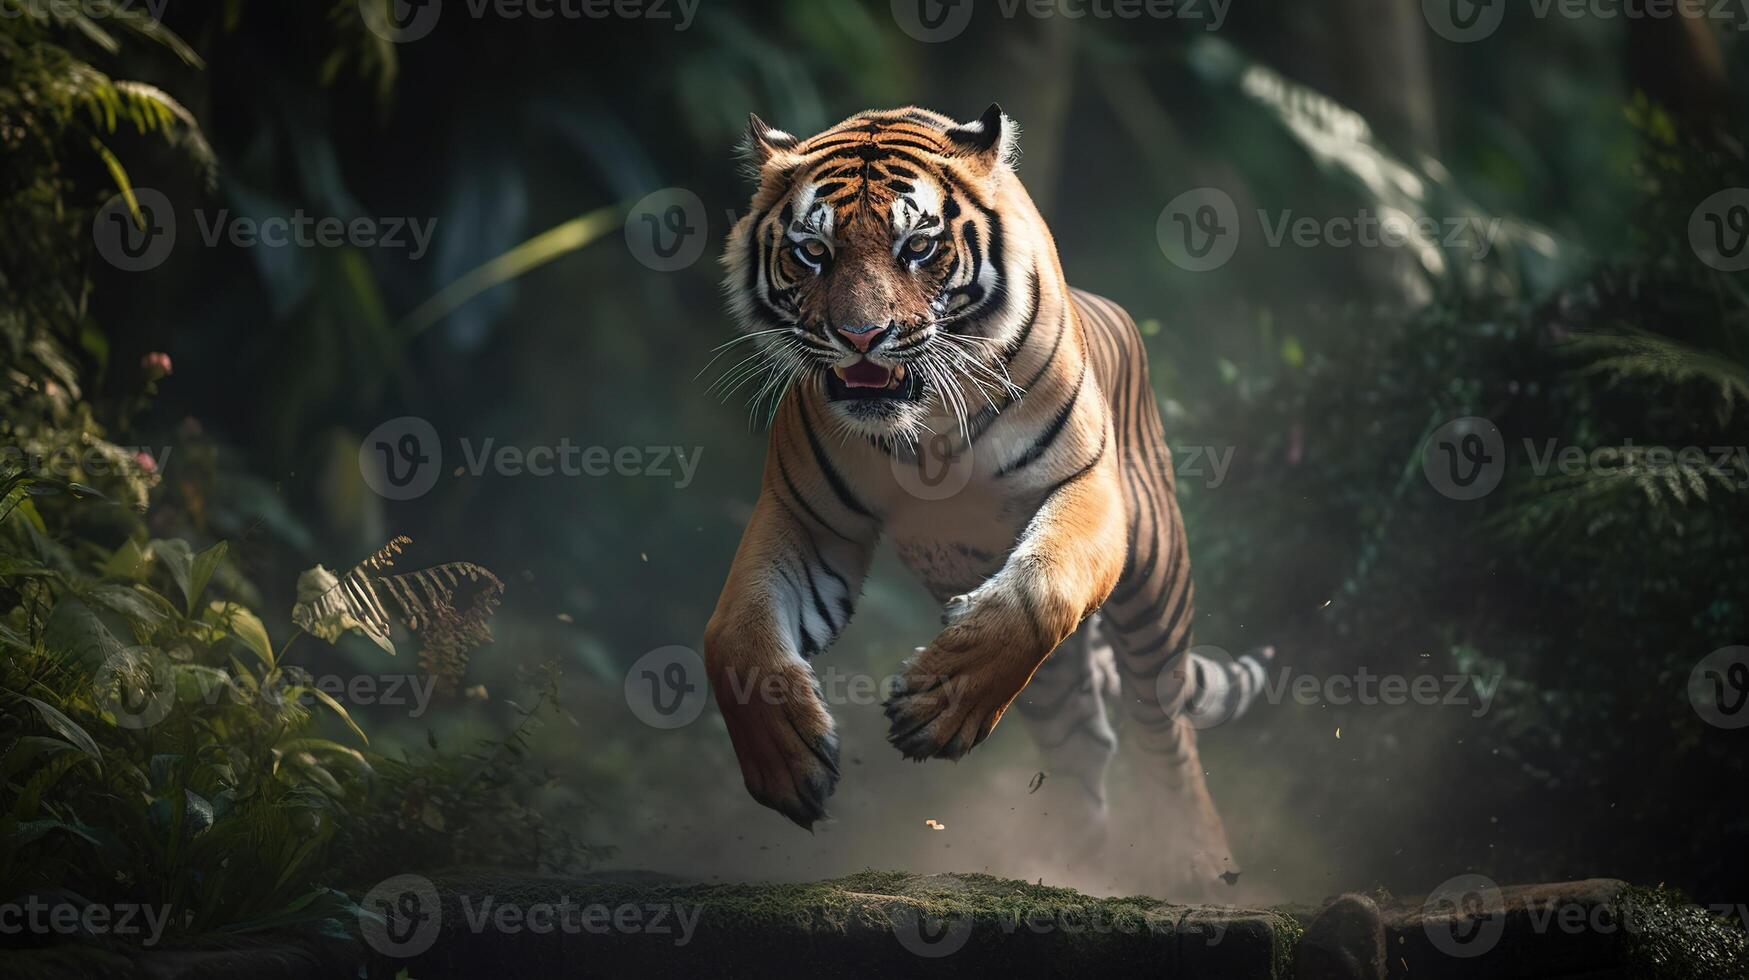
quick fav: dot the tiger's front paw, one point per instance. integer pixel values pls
(951, 695)
(783, 737)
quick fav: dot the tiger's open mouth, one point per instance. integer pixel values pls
(865, 380)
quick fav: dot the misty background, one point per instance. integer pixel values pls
(1301, 381)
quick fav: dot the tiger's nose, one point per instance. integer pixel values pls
(867, 336)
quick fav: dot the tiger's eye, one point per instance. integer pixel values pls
(919, 245)
(814, 248)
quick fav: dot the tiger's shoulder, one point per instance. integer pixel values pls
(1114, 342)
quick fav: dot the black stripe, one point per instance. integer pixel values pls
(1079, 473)
(1049, 436)
(807, 508)
(845, 497)
(832, 628)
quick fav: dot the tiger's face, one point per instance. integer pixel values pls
(868, 259)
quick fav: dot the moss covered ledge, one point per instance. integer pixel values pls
(874, 923)
(885, 924)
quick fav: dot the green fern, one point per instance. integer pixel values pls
(1632, 355)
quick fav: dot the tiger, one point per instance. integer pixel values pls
(936, 381)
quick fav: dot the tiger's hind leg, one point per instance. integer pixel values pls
(1064, 707)
(1168, 693)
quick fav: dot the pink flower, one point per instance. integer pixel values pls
(156, 365)
(147, 463)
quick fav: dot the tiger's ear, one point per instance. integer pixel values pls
(990, 141)
(763, 145)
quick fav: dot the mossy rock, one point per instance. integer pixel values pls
(883, 924)
(875, 923)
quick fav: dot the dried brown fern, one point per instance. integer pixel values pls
(446, 605)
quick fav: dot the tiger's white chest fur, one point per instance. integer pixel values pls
(953, 546)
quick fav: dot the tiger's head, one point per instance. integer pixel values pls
(871, 263)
